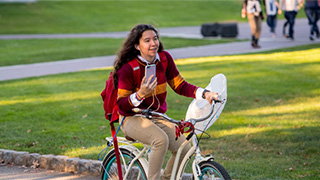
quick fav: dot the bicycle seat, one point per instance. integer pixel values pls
(129, 138)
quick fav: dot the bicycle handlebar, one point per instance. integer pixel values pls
(181, 125)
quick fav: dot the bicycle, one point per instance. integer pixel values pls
(134, 164)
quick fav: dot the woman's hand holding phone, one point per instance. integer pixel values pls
(150, 70)
(147, 86)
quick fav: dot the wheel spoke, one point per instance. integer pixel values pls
(211, 170)
(110, 168)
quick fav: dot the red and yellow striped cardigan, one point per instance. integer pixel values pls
(170, 75)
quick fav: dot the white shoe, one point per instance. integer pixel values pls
(311, 37)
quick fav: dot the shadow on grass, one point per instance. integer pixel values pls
(268, 153)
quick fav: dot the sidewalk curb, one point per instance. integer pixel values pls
(56, 162)
(51, 162)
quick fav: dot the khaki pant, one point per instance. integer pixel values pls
(160, 134)
(255, 25)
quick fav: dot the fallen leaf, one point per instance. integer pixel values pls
(29, 130)
(35, 164)
(225, 158)
(205, 152)
(84, 116)
(302, 176)
(278, 101)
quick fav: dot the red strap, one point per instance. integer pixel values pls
(136, 67)
(163, 60)
(116, 150)
(182, 126)
(136, 70)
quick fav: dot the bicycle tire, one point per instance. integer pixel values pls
(210, 169)
(109, 170)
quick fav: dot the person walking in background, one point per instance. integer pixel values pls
(272, 8)
(252, 9)
(290, 8)
(312, 10)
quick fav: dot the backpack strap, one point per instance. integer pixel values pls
(136, 70)
(163, 60)
(136, 67)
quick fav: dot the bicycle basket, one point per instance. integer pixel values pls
(200, 108)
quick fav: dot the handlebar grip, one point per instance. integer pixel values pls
(142, 111)
(189, 136)
(136, 110)
(219, 101)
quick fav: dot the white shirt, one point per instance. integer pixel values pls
(289, 5)
(253, 6)
(271, 7)
(155, 59)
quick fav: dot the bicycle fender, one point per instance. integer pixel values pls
(208, 158)
(135, 151)
(197, 161)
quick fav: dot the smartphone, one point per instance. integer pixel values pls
(150, 70)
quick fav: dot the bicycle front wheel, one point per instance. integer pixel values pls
(109, 169)
(213, 170)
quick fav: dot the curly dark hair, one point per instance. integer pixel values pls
(128, 51)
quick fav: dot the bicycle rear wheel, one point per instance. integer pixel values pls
(109, 169)
(213, 170)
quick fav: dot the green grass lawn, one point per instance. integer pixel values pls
(104, 16)
(101, 16)
(15, 52)
(269, 128)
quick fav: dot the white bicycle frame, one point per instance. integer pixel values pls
(177, 172)
(218, 84)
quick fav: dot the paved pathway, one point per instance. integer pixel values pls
(301, 29)
(267, 43)
(23, 173)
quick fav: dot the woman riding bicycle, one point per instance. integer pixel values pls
(143, 45)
